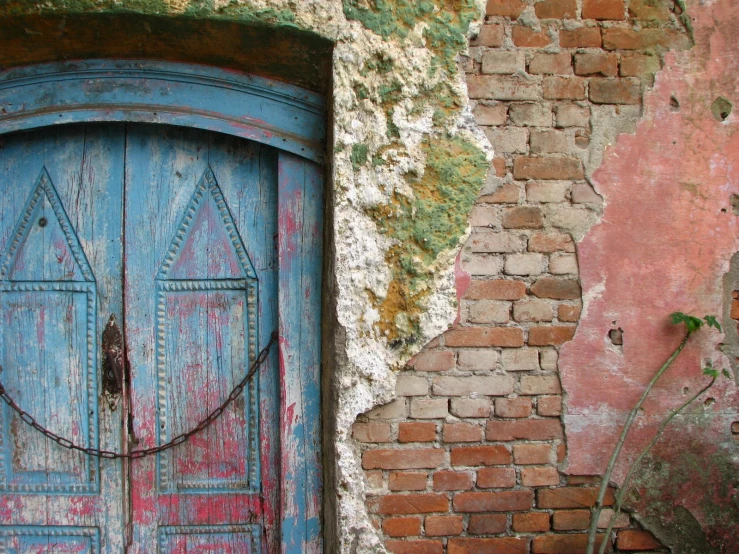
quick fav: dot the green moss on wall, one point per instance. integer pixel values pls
(425, 226)
(448, 22)
(431, 221)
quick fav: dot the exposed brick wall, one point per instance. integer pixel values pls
(467, 458)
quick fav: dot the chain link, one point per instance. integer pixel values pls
(179, 439)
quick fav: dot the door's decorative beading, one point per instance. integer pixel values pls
(55, 282)
(233, 291)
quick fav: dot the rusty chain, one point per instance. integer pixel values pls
(136, 454)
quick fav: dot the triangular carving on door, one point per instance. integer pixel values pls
(44, 246)
(207, 245)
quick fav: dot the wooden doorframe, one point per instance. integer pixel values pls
(286, 117)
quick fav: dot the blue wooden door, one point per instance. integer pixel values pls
(61, 260)
(198, 245)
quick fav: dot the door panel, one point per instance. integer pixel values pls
(173, 233)
(200, 287)
(60, 268)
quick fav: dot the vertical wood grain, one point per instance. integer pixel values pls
(300, 226)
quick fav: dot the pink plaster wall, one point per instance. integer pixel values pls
(664, 244)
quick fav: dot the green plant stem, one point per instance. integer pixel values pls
(598, 507)
(625, 485)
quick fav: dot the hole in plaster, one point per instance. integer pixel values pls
(582, 139)
(735, 428)
(723, 210)
(721, 108)
(686, 390)
(616, 336)
(709, 402)
(735, 204)
(674, 104)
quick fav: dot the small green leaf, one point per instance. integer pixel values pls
(677, 317)
(710, 371)
(691, 323)
(713, 322)
(726, 373)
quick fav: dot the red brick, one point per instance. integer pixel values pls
(496, 478)
(569, 313)
(505, 8)
(499, 165)
(571, 520)
(562, 544)
(371, 432)
(496, 290)
(415, 547)
(452, 481)
(403, 459)
(524, 429)
(549, 406)
(540, 384)
(571, 497)
(528, 38)
(631, 539)
(603, 9)
(551, 64)
(550, 335)
(564, 88)
(504, 194)
(637, 65)
(539, 476)
(523, 217)
(558, 289)
(407, 481)
(531, 453)
(433, 360)
(582, 37)
(583, 479)
(551, 242)
(500, 501)
(487, 455)
(648, 10)
(499, 545)
(616, 38)
(561, 452)
(502, 87)
(560, 168)
(412, 504)
(462, 432)
(615, 91)
(416, 432)
(513, 407)
(491, 36)
(402, 526)
(488, 524)
(556, 9)
(509, 337)
(440, 526)
(533, 522)
(600, 63)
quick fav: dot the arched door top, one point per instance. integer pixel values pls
(263, 110)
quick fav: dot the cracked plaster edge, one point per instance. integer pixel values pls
(367, 379)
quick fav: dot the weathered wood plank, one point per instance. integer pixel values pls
(61, 274)
(300, 240)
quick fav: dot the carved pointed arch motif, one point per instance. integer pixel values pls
(208, 269)
(52, 220)
(207, 192)
(46, 281)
